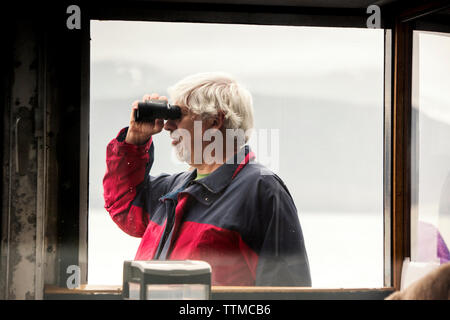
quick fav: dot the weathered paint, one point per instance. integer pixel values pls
(20, 180)
(40, 225)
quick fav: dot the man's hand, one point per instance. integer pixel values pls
(140, 132)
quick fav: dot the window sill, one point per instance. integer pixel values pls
(114, 292)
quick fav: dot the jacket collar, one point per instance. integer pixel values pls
(184, 182)
(222, 176)
(214, 183)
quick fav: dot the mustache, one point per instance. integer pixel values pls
(178, 134)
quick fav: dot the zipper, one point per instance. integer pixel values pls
(167, 230)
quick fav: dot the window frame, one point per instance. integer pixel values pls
(398, 27)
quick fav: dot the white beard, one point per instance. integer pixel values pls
(183, 151)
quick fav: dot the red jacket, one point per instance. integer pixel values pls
(240, 219)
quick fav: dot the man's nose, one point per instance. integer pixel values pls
(170, 125)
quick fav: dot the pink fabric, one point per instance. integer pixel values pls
(431, 245)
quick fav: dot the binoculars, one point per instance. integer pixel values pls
(156, 109)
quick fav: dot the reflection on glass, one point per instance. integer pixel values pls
(321, 88)
(431, 148)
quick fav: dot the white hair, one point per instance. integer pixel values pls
(207, 93)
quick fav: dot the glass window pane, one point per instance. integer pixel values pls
(318, 92)
(430, 234)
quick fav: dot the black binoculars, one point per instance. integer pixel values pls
(156, 109)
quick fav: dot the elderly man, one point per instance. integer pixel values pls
(227, 209)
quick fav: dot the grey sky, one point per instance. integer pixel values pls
(321, 87)
(261, 56)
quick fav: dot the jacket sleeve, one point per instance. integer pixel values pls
(130, 193)
(282, 260)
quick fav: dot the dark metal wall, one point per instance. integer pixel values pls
(21, 159)
(41, 94)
